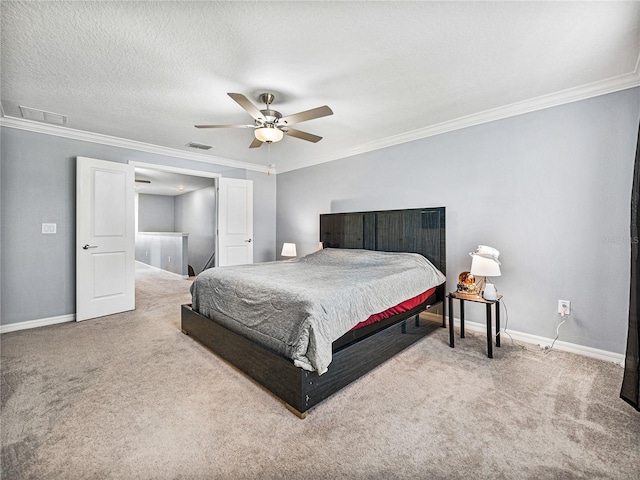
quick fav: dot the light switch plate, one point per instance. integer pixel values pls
(48, 228)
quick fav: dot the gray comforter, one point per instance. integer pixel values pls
(299, 307)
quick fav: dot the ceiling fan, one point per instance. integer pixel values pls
(269, 125)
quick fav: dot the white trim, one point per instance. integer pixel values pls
(605, 355)
(59, 131)
(583, 92)
(42, 322)
(545, 342)
(615, 84)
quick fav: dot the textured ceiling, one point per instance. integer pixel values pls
(168, 183)
(391, 71)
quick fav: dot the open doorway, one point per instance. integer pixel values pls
(106, 210)
(175, 217)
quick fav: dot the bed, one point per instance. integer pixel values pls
(304, 374)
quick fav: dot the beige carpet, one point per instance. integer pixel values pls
(130, 397)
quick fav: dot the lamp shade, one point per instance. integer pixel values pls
(484, 267)
(268, 134)
(289, 250)
(485, 262)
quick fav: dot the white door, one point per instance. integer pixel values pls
(235, 222)
(105, 238)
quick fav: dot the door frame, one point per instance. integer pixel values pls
(168, 168)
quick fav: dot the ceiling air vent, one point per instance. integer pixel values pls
(199, 146)
(43, 116)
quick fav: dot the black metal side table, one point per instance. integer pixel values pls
(453, 296)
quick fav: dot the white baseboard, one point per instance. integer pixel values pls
(42, 322)
(474, 326)
(541, 341)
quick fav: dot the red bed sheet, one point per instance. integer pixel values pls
(402, 307)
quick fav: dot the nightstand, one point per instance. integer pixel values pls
(453, 296)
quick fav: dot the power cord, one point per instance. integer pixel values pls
(513, 342)
(504, 329)
(506, 323)
(548, 349)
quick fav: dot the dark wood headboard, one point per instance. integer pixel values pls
(418, 230)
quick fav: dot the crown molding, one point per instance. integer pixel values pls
(614, 84)
(58, 131)
(595, 89)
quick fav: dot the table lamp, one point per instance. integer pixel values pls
(288, 250)
(485, 264)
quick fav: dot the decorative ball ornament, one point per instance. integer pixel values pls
(466, 278)
(467, 284)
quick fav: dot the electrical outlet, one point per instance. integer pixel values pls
(564, 307)
(48, 228)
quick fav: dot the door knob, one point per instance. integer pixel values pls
(86, 246)
(248, 241)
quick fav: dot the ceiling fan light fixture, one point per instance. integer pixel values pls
(269, 125)
(268, 134)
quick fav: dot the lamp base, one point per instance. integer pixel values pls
(490, 293)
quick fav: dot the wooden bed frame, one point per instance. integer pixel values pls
(417, 230)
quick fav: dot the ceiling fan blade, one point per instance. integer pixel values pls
(245, 103)
(224, 126)
(309, 137)
(306, 115)
(256, 143)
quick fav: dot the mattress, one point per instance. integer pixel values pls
(297, 308)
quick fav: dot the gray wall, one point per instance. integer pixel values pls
(264, 216)
(550, 189)
(38, 185)
(195, 213)
(164, 250)
(156, 213)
